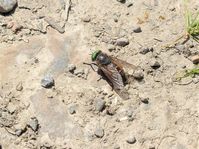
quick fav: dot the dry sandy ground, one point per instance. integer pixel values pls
(42, 37)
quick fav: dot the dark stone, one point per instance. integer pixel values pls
(47, 81)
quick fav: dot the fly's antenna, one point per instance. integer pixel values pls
(91, 64)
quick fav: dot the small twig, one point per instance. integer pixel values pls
(67, 9)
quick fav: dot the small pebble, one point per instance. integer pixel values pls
(122, 42)
(19, 87)
(131, 140)
(115, 18)
(11, 108)
(71, 68)
(72, 109)
(79, 72)
(86, 19)
(121, 1)
(180, 47)
(116, 146)
(99, 132)
(7, 5)
(34, 124)
(111, 47)
(195, 80)
(99, 104)
(111, 111)
(137, 29)
(145, 100)
(129, 4)
(195, 59)
(138, 74)
(144, 50)
(19, 132)
(129, 112)
(154, 64)
(47, 81)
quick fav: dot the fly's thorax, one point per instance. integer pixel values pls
(103, 59)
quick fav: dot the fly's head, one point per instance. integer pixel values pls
(101, 57)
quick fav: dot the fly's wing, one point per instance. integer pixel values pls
(126, 67)
(113, 75)
(116, 80)
(123, 64)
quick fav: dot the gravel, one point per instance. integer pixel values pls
(99, 132)
(47, 81)
(7, 5)
(122, 42)
(99, 104)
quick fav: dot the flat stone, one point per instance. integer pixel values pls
(7, 5)
(122, 42)
(99, 132)
(53, 118)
